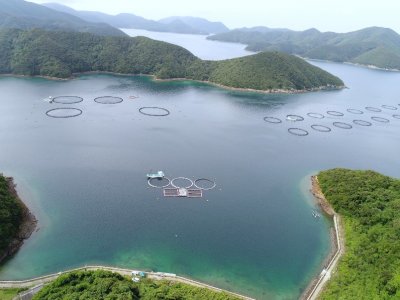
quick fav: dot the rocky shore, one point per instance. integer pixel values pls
(337, 242)
(26, 228)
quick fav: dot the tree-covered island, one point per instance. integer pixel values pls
(62, 54)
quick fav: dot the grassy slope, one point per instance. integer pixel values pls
(8, 294)
(59, 54)
(99, 285)
(369, 204)
(370, 46)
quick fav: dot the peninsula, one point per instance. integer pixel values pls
(61, 54)
(17, 223)
(368, 204)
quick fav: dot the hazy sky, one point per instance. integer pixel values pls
(332, 15)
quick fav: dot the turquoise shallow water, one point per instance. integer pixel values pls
(85, 179)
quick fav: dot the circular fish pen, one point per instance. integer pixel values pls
(321, 128)
(390, 107)
(342, 125)
(272, 120)
(396, 116)
(379, 119)
(108, 100)
(355, 111)
(188, 180)
(373, 109)
(335, 113)
(204, 184)
(315, 115)
(362, 123)
(63, 113)
(298, 131)
(154, 111)
(67, 99)
(164, 182)
(294, 118)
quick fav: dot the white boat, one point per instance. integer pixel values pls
(159, 174)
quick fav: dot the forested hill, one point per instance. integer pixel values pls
(58, 54)
(26, 15)
(11, 217)
(374, 46)
(369, 204)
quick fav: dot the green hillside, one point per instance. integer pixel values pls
(56, 54)
(102, 285)
(26, 15)
(11, 215)
(369, 204)
(373, 46)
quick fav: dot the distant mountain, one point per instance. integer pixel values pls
(189, 25)
(119, 21)
(262, 29)
(60, 54)
(200, 24)
(374, 46)
(27, 15)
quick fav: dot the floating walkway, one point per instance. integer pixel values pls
(182, 192)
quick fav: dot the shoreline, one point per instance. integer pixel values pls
(27, 227)
(154, 78)
(371, 67)
(329, 265)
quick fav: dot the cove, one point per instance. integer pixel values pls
(255, 235)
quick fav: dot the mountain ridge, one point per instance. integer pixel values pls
(188, 25)
(372, 46)
(26, 15)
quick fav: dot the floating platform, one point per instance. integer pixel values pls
(182, 192)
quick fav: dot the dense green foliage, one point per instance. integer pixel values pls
(99, 285)
(375, 46)
(150, 289)
(57, 54)
(11, 215)
(88, 285)
(369, 204)
(26, 15)
(188, 25)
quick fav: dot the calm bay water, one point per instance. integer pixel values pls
(85, 179)
(197, 44)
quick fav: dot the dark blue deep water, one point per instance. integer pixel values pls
(84, 177)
